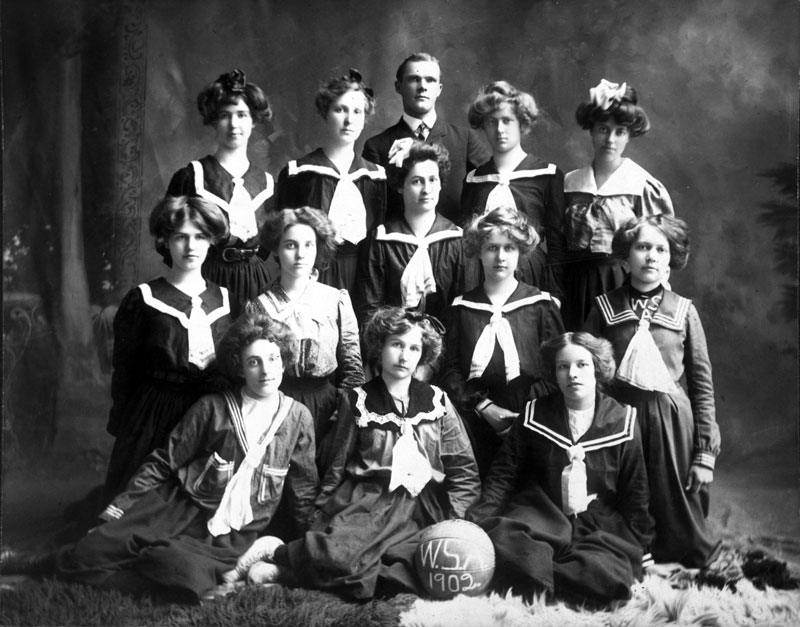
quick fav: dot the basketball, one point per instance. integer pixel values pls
(455, 557)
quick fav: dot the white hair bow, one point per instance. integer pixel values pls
(606, 93)
(399, 151)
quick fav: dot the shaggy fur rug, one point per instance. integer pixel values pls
(655, 603)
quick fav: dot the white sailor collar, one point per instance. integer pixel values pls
(317, 162)
(523, 296)
(614, 424)
(399, 231)
(615, 307)
(628, 179)
(200, 184)
(373, 405)
(529, 167)
(233, 401)
(162, 296)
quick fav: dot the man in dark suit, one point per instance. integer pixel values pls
(419, 85)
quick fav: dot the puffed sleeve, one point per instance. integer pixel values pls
(701, 391)
(555, 205)
(371, 273)
(461, 470)
(350, 372)
(187, 438)
(478, 152)
(182, 183)
(452, 379)
(499, 483)
(550, 326)
(633, 494)
(655, 199)
(344, 443)
(302, 481)
(127, 363)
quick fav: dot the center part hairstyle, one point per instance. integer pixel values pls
(417, 153)
(601, 349)
(388, 321)
(278, 222)
(228, 89)
(610, 101)
(674, 229)
(173, 211)
(245, 330)
(413, 58)
(335, 87)
(492, 96)
(509, 222)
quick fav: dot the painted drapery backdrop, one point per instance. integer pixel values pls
(99, 111)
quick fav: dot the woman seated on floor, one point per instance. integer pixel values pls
(194, 507)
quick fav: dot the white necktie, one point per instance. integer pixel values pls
(642, 366)
(347, 212)
(574, 497)
(201, 342)
(410, 468)
(500, 196)
(417, 279)
(241, 215)
(498, 330)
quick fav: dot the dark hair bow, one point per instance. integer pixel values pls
(417, 317)
(355, 77)
(233, 81)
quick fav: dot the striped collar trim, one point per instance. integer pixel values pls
(235, 412)
(566, 443)
(365, 417)
(472, 177)
(379, 174)
(159, 305)
(255, 202)
(671, 313)
(407, 238)
(506, 308)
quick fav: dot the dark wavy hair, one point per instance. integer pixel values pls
(335, 87)
(413, 58)
(172, 211)
(626, 113)
(245, 330)
(492, 96)
(419, 152)
(388, 321)
(510, 222)
(674, 229)
(601, 349)
(227, 90)
(278, 221)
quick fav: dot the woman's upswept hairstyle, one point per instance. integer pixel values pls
(227, 90)
(623, 111)
(245, 330)
(510, 222)
(417, 153)
(277, 222)
(674, 229)
(339, 86)
(492, 96)
(601, 349)
(172, 211)
(388, 321)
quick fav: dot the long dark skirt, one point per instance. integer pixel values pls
(162, 541)
(343, 551)
(592, 556)
(341, 272)
(667, 426)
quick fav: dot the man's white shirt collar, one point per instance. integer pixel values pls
(413, 123)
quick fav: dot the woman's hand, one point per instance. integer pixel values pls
(699, 476)
(499, 418)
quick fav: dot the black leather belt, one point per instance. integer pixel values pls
(232, 255)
